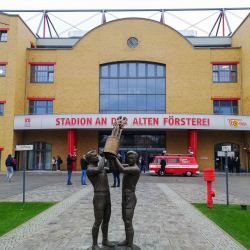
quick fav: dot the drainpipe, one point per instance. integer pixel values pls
(25, 100)
(241, 101)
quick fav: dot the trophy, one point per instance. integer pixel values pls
(113, 142)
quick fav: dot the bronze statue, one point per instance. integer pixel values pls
(101, 201)
(131, 175)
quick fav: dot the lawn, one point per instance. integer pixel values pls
(232, 219)
(13, 214)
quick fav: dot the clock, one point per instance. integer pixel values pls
(132, 42)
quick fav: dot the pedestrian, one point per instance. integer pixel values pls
(163, 165)
(116, 175)
(140, 166)
(59, 162)
(15, 162)
(143, 164)
(53, 164)
(84, 165)
(231, 165)
(70, 167)
(237, 165)
(9, 164)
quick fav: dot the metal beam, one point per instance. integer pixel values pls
(214, 24)
(227, 21)
(40, 23)
(219, 25)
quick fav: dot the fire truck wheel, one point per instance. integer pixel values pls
(161, 173)
(189, 173)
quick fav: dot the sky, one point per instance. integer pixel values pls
(87, 21)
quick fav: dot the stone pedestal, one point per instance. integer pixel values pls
(135, 247)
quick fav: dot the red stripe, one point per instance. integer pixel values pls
(225, 99)
(42, 63)
(4, 28)
(1, 149)
(226, 63)
(2, 102)
(3, 63)
(41, 99)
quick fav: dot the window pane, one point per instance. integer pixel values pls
(2, 70)
(224, 76)
(132, 69)
(113, 105)
(141, 70)
(123, 70)
(141, 83)
(50, 103)
(150, 86)
(150, 102)
(123, 86)
(113, 70)
(160, 86)
(51, 68)
(141, 102)
(51, 77)
(160, 70)
(235, 111)
(225, 103)
(105, 71)
(104, 86)
(225, 111)
(233, 76)
(234, 67)
(216, 103)
(1, 109)
(215, 76)
(123, 102)
(50, 110)
(40, 110)
(151, 70)
(160, 102)
(215, 67)
(132, 86)
(224, 67)
(113, 86)
(104, 102)
(235, 103)
(132, 102)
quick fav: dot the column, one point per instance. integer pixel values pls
(72, 144)
(192, 142)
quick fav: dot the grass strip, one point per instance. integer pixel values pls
(232, 219)
(13, 214)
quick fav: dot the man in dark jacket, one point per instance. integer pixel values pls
(116, 175)
(237, 165)
(59, 162)
(231, 164)
(9, 164)
(84, 166)
(163, 165)
(70, 167)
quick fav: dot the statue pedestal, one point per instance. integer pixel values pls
(135, 247)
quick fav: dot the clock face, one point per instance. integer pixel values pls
(132, 42)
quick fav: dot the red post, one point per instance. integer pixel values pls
(72, 144)
(44, 21)
(192, 142)
(223, 26)
(209, 177)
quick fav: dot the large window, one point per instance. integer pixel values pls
(1, 108)
(133, 87)
(40, 157)
(2, 70)
(3, 36)
(42, 73)
(225, 107)
(40, 107)
(225, 73)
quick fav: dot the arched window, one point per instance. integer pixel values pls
(133, 88)
(40, 157)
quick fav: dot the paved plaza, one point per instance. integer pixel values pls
(164, 217)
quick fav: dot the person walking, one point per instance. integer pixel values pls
(231, 165)
(143, 164)
(237, 165)
(84, 166)
(163, 165)
(53, 164)
(9, 164)
(116, 175)
(70, 167)
(59, 162)
(15, 163)
(140, 166)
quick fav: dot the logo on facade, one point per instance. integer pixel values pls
(27, 122)
(237, 123)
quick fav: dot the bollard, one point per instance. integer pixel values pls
(209, 177)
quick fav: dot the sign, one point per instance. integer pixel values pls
(134, 121)
(204, 157)
(24, 147)
(226, 148)
(222, 153)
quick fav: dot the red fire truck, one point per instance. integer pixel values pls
(183, 164)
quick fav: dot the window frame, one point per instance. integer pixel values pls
(231, 107)
(3, 32)
(220, 71)
(36, 71)
(35, 107)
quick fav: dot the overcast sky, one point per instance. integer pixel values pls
(178, 20)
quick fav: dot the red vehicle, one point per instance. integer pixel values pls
(185, 165)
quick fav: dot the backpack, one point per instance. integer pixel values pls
(61, 162)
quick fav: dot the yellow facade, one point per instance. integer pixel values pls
(189, 81)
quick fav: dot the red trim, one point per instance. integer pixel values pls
(32, 44)
(3, 63)
(226, 63)
(247, 150)
(41, 99)
(2, 102)
(1, 149)
(42, 63)
(225, 99)
(4, 29)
